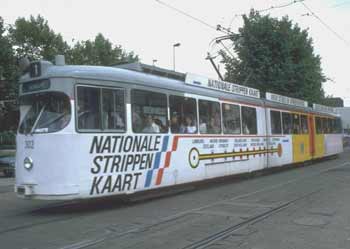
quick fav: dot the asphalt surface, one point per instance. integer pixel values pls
(305, 207)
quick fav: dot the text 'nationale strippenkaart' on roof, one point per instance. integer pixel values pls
(219, 85)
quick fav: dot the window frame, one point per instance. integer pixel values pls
(196, 114)
(291, 123)
(319, 130)
(125, 112)
(166, 107)
(281, 125)
(100, 109)
(256, 120)
(307, 124)
(210, 101)
(222, 118)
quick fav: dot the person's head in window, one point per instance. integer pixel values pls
(174, 123)
(189, 125)
(214, 126)
(150, 126)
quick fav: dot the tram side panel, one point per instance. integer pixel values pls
(200, 157)
(301, 139)
(319, 146)
(333, 144)
(277, 140)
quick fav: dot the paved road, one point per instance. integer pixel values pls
(306, 207)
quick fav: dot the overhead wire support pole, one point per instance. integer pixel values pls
(215, 67)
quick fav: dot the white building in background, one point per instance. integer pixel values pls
(345, 116)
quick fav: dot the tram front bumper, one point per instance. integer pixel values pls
(33, 191)
(25, 190)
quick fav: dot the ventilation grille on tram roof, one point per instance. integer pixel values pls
(149, 69)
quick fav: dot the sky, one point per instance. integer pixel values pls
(150, 29)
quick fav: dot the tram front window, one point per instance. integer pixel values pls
(44, 112)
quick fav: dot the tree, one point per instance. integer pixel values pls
(36, 40)
(276, 56)
(333, 101)
(7, 59)
(8, 79)
(99, 52)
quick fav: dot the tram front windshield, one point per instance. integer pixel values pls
(44, 112)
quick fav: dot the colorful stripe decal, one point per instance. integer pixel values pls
(165, 143)
(149, 178)
(157, 161)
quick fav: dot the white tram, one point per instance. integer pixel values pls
(88, 131)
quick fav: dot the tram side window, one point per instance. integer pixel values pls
(276, 125)
(231, 119)
(287, 120)
(149, 112)
(183, 114)
(331, 125)
(296, 123)
(249, 121)
(113, 110)
(304, 124)
(325, 125)
(338, 125)
(319, 128)
(88, 108)
(209, 117)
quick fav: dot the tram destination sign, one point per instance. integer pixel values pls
(219, 85)
(323, 108)
(37, 85)
(286, 100)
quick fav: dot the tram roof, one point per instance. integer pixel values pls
(135, 77)
(147, 75)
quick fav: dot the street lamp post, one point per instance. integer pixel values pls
(174, 46)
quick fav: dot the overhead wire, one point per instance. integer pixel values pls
(191, 16)
(340, 4)
(326, 25)
(268, 9)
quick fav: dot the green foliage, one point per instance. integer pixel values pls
(8, 79)
(99, 52)
(275, 56)
(333, 101)
(7, 139)
(7, 59)
(35, 39)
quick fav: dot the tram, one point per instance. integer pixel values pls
(90, 131)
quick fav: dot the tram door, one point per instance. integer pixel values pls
(311, 124)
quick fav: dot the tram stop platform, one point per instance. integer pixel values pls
(305, 207)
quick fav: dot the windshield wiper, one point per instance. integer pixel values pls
(50, 122)
(37, 120)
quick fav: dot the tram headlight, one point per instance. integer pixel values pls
(28, 163)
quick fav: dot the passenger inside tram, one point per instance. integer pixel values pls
(203, 127)
(214, 125)
(150, 126)
(174, 123)
(188, 126)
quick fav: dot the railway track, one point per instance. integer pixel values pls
(206, 241)
(75, 210)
